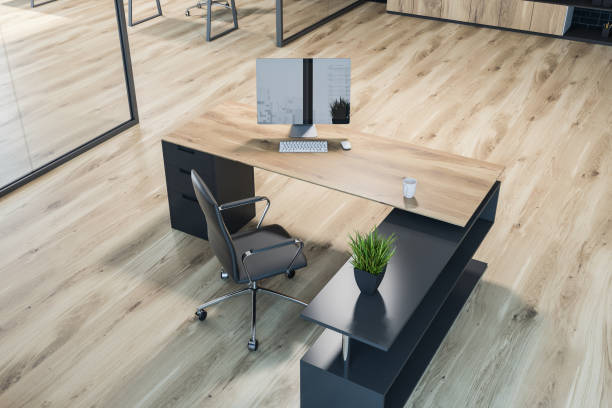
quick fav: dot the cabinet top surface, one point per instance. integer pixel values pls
(449, 187)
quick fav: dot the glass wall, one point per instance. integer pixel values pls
(62, 81)
(298, 16)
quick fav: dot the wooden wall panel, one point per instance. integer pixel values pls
(400, 6)
(516, 14)
(548, 18)
(430, 8)
(456, 9)
(485, 11)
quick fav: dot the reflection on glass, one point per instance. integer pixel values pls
(370, 315)
(61, 81)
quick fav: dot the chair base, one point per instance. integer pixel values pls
(252, 288)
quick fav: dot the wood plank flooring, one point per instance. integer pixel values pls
(97, 292)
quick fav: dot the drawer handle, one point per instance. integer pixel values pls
(186, 197)
(186, 150)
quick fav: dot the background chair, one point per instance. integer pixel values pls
(132, 23)
(209, 3)
(249, 256)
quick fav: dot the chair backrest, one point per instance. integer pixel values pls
(218, 236)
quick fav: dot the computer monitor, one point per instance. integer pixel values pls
(303, 92)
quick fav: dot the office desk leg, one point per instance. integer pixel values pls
(346, 350)
(324, 382)
(132, 23)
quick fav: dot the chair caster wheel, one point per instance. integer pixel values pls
(187, 13)
(201, 315)
(252, 345)
(290, 274)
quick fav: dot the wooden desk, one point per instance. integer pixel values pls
(449, 189)
(395, 333)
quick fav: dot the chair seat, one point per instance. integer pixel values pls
(268, 263)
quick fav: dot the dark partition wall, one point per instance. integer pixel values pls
(294, 18)
(66, 83)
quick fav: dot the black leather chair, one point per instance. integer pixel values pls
(248, 256)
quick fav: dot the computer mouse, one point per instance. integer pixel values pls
(346, 145)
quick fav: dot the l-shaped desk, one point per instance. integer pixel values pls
(375, 348)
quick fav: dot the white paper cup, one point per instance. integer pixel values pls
(409, 187)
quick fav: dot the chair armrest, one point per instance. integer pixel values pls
(246, 201)
(292, 241)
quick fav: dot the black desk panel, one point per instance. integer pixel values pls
(393, 334)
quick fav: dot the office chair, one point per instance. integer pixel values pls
(230, 5)
(249, 256)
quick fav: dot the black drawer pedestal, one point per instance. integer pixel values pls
(227, 180)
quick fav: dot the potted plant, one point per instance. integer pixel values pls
(340, 111)
(605, 32)
(371, 254)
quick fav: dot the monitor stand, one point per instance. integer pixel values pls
(303, 131)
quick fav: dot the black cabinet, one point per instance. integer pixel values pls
(227, 180)
(391, 337)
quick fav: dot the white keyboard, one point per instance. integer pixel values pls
(303, 146)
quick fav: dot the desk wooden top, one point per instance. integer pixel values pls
(449, 187)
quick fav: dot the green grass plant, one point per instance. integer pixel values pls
(371, 251)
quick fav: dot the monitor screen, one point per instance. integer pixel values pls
(303, 91)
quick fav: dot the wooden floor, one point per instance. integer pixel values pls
(97, 292)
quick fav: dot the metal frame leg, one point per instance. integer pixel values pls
(209, 4)
(235, 18)
(131, 23)
(346, 353)
(222, 298)
(253, 341)
(208, 18)
(33, 4)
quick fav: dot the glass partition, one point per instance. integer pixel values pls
(65, 83)
(295, 18)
